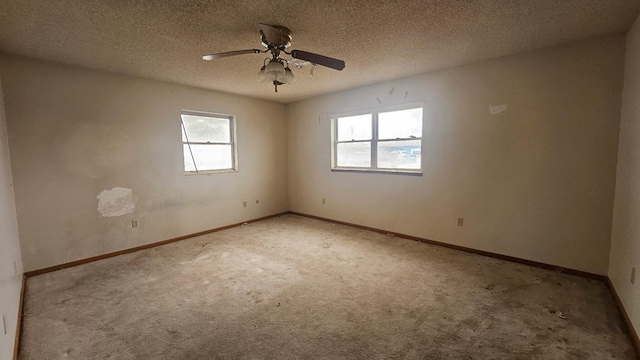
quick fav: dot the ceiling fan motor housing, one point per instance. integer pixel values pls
(278, 37)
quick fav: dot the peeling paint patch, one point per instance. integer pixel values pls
(116, 202)
(495, 110)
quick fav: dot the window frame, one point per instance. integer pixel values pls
(374, 140)
(232, 141)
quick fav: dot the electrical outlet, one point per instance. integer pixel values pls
(460, 221)
(244, 204)
(633, 275)
(134, 223)
(324, 201)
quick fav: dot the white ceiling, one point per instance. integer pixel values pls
(378, 40)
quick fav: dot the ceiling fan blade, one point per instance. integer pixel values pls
(272, 34)
(318, 59)
(230, 53)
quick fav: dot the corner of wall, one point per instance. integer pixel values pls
(624, 258)
(11, 271)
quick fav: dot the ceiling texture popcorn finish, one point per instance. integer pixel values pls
(379, 41)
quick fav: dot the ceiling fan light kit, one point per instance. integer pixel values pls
(276, 72)
(276, 39)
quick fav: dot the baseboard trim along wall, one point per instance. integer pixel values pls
(584, 274)
(580, 273)
(16, 344)
(627, 321)
(142, 247)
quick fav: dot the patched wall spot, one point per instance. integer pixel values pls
(116, 202)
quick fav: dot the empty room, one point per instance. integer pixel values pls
(319, 179)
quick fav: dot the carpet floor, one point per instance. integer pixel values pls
(297, 288)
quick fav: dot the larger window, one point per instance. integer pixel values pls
(208, 142)
(386, 141)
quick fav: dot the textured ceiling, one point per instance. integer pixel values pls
(379, 40)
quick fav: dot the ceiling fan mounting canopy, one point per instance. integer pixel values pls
(277, 39)
(275, 36)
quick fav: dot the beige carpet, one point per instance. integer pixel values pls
(298, 288)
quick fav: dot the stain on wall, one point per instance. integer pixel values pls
(116, 202)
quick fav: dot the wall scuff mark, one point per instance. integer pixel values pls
(495, 110)
(116, 202)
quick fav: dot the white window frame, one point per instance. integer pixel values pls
(232, 142)
(374, 140)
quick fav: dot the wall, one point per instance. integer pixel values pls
(625, 238)
(75, 132)
(10, 260)
(535, 181)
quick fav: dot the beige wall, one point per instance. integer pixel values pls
(625, 238)
(534, 182)
(75, 132)
(10, 260)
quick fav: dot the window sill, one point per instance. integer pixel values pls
(210, 172)
(380, 171)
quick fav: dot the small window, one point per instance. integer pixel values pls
(382, 141)
(208, 142)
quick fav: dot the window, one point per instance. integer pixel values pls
(208, 142)
(385, 141)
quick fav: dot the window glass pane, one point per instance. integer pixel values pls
(354, 154)
(400, 154)
(207, 157)
(206, 129)
(400, 124)
(354, 127)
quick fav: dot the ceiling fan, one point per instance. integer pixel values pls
(276, 39)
